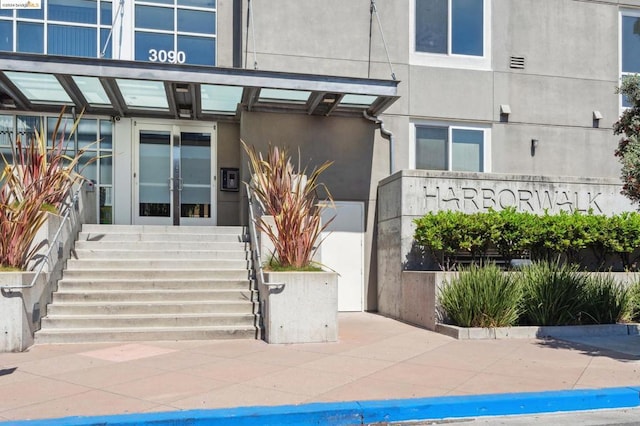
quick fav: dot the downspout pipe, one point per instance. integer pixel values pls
(385, 134)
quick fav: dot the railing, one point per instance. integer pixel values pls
(69, 206)
(255, 244)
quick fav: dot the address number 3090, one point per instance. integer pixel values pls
(171, 56)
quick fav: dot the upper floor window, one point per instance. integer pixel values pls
(629, 45)
(59, 27)
(454, 33)
(175, 31)
(451, 147)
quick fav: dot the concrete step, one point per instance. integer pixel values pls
(140, 284)
(145, 334)
(154, 296)
(99, 253)
(136, 246)
(159, 307)
(161, 237)
(179, 274)
(137, 229)
(147, 321)
(159, 264)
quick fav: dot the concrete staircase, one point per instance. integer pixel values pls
(127, 283)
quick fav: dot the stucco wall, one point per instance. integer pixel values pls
(571, 69)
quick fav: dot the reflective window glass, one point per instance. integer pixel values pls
(146, 42)
(105, 13)
(106, 134)
(159, 1)
(105, 44)
(61, 135)
(431, 148)
(88, 134)
(198, 3)
(431, 26)
(630, 44)
(154, 18)
(82, 11)
(196, 21)
(284, 95)
(6, 36)
(6, 12)
(358, 100)
(106, 168)
(143, 94)
(467, 150)
(466, 27)
(30, 37)
(31, 13)
(458, 22)
(38, 87)
(71, 41)
(6, 130)
(220, 98)
(88, 167)
(27, 126)
(198, 50)
(92, 90)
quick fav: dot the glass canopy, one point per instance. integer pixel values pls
(125, 88)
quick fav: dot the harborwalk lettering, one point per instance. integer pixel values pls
(470, 199)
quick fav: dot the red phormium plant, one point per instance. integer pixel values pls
(37, 178)
(290, 197)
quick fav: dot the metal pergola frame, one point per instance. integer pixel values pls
(182, 85)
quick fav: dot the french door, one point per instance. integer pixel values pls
(174, 174)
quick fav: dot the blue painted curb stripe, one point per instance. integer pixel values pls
(365, 412)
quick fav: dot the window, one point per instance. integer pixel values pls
(451, 147)
(59, 27)
(175, 31)
(629, 45)
(454, 33)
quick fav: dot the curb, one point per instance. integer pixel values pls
(372, 412)
(538, 332)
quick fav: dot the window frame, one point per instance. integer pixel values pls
(485, 149)
(451, 60)
(622, 74)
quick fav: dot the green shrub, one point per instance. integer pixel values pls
(634, 302)
(552, 294)
(606, 301)
(482, 297)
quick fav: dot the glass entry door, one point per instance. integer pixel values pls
(174, 178)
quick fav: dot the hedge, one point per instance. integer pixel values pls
(452, 238)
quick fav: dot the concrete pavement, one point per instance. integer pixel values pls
(376, 358)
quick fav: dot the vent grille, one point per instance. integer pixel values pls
(516, 62)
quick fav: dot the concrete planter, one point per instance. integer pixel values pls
(418, 304)
(533, 332)
(303, 308)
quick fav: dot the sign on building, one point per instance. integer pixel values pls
(20, 4)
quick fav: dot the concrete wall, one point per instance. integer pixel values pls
(409, 194)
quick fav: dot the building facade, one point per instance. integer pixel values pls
(170, 87)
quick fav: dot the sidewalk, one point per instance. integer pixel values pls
(376, 358)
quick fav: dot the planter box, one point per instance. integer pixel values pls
(302, 308)
(533, 332)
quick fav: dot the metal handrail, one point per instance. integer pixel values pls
(69, 208)
(255, 246)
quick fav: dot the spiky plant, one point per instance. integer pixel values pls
(38, 179)
(292, 200)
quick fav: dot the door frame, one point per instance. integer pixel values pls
(175, 127)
